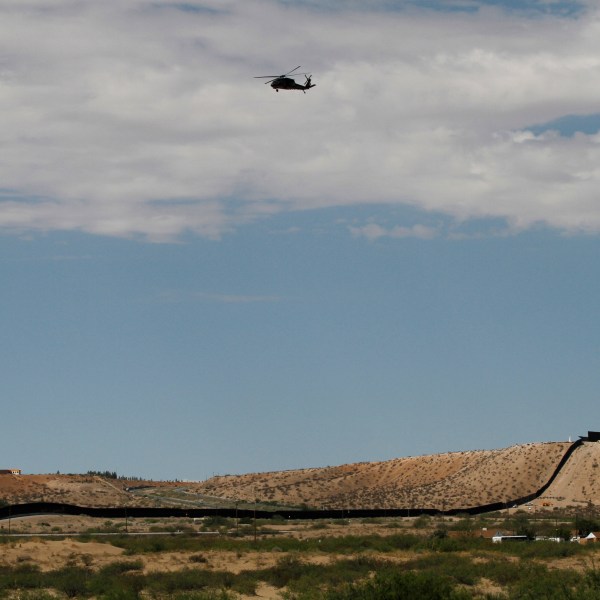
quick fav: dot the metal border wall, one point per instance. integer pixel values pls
(122, 512)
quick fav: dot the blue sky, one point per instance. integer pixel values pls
(202, 276)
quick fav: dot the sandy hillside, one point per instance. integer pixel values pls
(83, 490)
(578, 483)
(441, 481)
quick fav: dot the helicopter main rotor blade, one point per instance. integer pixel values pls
(291, 71)
(273, 77)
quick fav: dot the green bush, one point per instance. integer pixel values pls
(23, 577)
(399, 585)
(72, 581)
(120, 567)
(538, 583)
(422, 522)
(206, 595)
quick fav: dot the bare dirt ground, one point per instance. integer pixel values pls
(578, 483)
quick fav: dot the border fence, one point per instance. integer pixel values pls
(54, 508)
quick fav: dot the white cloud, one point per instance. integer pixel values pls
(373, 231)
(142, 119)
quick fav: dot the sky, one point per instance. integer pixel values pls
(201, 276)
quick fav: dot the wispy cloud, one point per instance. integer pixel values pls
(126, 119)
(373, 231)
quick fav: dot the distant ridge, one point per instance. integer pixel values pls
(560, 473)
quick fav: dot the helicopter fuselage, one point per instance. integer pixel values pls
(284, 82)
(287, 83)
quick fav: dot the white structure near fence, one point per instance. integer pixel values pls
(500, 537)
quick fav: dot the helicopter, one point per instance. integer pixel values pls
(283, 82)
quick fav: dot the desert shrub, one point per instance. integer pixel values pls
(305, 580)
(122, 586)
(454, 567)
(541, 549)
(72, 581)
(23, 577)
(120, 567)
(501, 570)
(198, 558)
(119, 593)
(390, 585)
(447, 544)
(36, 595)
(205, 595)
(349, 570)
(466, 524)
(288, 567)
(184, 543)
(403, 542)
(422, 522)
(537, 583)
(189, 580)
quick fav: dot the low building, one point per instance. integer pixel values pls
(10, 471)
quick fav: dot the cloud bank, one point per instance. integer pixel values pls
(142, 118)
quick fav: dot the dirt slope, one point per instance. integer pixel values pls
(83, 490)
(578, 483)
(443, 481)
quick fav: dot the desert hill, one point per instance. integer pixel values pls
(447, 481)
(83, 490)
(441, 481)
(578, 482)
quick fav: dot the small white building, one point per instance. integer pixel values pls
(500, 537)
(591, 538)
(10, 471)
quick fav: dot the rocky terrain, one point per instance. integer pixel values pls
(443, 481)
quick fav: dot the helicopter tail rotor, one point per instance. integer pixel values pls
(308, 83)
